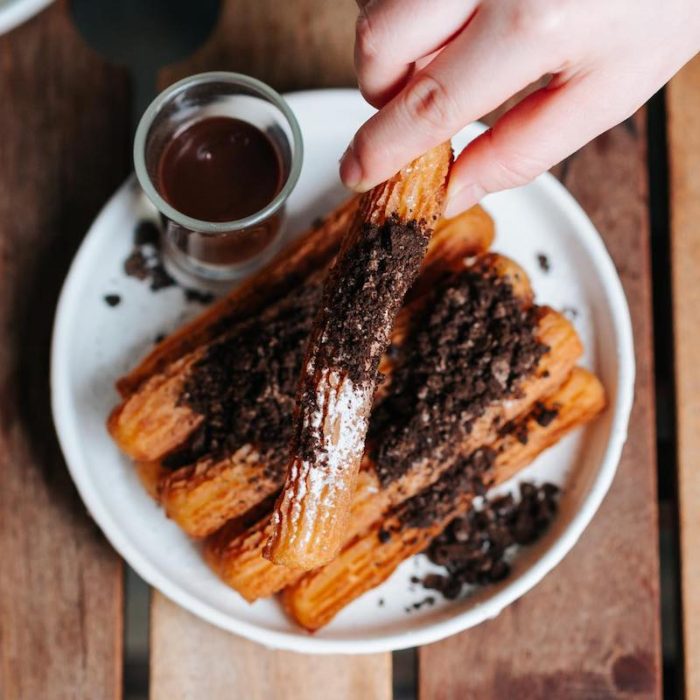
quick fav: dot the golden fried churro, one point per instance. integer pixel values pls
(387, 478)
(372, 557)
(379, 259)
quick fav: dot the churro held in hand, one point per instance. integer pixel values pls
(378, 261)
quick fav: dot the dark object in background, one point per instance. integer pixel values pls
(145, 36)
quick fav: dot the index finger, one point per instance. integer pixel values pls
(468, 79)
(391, 35)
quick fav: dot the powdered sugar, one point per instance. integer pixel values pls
(339, 421)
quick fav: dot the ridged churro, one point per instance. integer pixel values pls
(379, 259)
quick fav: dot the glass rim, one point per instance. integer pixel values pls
(200, 225)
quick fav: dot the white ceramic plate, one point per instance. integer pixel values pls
(93, 344)
(15, 12)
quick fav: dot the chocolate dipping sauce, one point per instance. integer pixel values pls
(221, 169)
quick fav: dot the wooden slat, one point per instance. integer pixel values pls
(591, 628)
(191, 660)
(63, 151)
(292, 46)
(683, 105)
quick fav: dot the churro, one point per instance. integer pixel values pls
(378, 261)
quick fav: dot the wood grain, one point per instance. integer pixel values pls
(191, 660)
(290, 45)
(591, 628)
(304, 44)
(63, 150)
(683, 106)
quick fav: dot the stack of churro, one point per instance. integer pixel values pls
(453, 384)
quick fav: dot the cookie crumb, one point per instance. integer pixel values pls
(112, 299)
(543, 262)
(144, 261)
(474, 549)
(198, 296)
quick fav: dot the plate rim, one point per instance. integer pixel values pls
(17, 12)
(429, 632)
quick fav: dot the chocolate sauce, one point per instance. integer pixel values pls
(219, 169)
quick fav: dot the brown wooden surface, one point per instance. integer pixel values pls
(63, 150)
(591, 628)
(292, 46)
(683, 107)
(191, 660)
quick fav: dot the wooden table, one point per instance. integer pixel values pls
(590, 630)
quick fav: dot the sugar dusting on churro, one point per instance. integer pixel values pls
(339, 420)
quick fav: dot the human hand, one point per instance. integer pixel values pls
(434, 66)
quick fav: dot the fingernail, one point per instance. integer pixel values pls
(463, 198)
(351, 170)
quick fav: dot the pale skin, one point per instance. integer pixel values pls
(433, 66)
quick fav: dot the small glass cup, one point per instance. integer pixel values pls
(215, 251)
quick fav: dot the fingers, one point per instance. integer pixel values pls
(540, 131)
(466, 80)
(392, 34)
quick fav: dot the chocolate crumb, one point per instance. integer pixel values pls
(570, 312)
(146, 233)
(160, 279)
(384, 536)
(380, 602)
(516, 428)
(543, 262)
(112, 299)
(245, 384)
(136, 265)
(144, 261)
(475, 548)
(159, 338)
(467, 476)
(543, 415)
(374, 275)
(198, 296)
